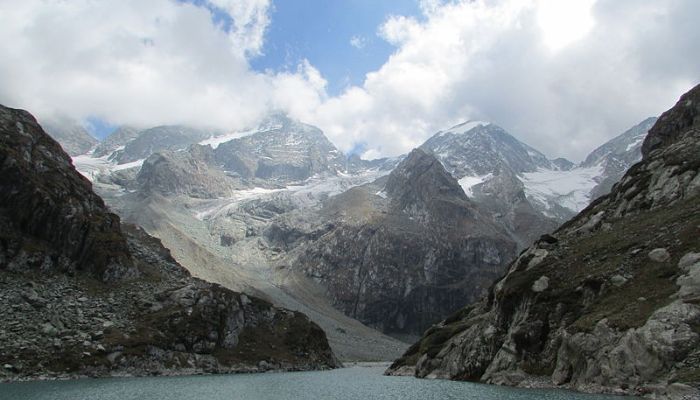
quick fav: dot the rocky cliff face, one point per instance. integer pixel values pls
(401, 252)
(503, 199)
(83, 295)
(46, 203)
(609, 302)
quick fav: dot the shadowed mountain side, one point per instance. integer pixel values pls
(405, 250)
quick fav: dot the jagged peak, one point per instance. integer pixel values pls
(281, 121)
(421, 177)
(675, 122)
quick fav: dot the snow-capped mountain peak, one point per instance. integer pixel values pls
(478, 148)
(491, 166)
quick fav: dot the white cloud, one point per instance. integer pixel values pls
(250, 19)
(358, 42)
(563, 22)
(562, 80)
(143, 63)
(559, 82)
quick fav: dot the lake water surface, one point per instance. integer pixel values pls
(341, 384)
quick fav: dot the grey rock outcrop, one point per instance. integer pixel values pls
(563, 164)
(503, 199)
(638, 336)
(659, 255)
(479, 149)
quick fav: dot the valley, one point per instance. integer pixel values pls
(355, 259)
(415, 199)
(230, 212)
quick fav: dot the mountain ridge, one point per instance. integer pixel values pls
(606, 303)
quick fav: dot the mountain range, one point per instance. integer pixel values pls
(376, 253)
(278, 209)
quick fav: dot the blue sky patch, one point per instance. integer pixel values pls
(98, 127)
(321, 31)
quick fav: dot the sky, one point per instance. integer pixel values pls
(376, 76)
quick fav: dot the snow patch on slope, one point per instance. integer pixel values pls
(90, 167)
(307, 193)
(468, 182)
(637, 142)
(215, 141)
(464, 127)
(570, 189)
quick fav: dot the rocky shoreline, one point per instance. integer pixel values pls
(677, 391)
(63, 327)
(243, 369)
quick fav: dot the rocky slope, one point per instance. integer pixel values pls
(190, 172)
(215, 221)
(73, 137)
(403, 251)
(83, 295)
(156, 139)
(282, 150)
(608, 302)
(116, 140)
